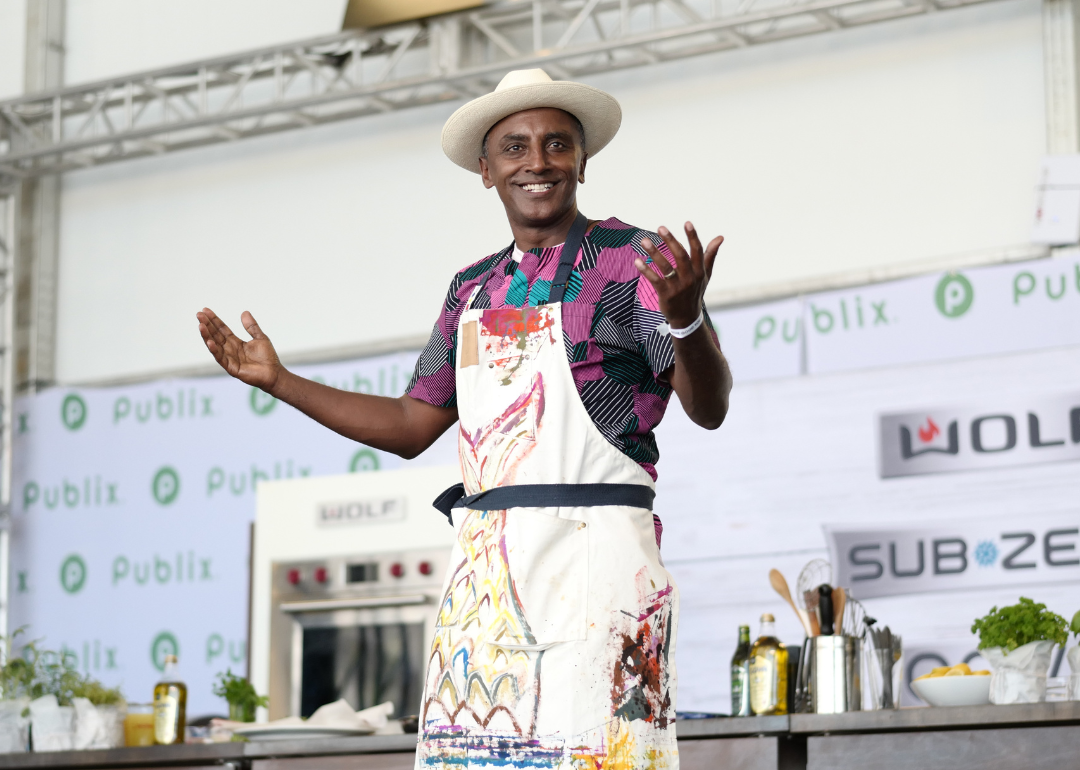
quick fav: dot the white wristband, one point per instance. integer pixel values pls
(680, 333)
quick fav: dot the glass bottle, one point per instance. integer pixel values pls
(740, 675)
(768, 671)
(170, 705)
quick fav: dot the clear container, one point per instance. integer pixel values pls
(139, 724)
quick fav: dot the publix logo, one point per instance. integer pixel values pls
(261, 403)
(73, 411)
(73, 574)
(164, 644)
(166, 485)
(953, 295)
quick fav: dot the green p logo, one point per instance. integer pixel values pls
(164, 644)
(166, 485)
(73, 411)
(73, 574)
(954, 295)
(262, 403)
(364, 460)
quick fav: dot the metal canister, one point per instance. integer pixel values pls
(833, 674)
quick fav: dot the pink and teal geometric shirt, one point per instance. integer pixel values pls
(610, 315)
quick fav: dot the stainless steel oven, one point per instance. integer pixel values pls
(353, 627)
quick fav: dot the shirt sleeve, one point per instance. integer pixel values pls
(433, 377)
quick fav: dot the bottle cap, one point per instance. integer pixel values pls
(768, 618)
(170, 659)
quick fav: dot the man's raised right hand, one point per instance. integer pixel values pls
(254, 362)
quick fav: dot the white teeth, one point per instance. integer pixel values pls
(538, 187)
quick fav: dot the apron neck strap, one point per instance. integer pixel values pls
(568, 258)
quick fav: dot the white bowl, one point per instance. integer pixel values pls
(954, 690)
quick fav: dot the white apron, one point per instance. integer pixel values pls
(555, 641)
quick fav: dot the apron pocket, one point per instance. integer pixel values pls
(549, 565)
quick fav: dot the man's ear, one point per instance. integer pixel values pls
(485, 173)
(581, 170)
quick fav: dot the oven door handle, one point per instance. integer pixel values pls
(363, 603)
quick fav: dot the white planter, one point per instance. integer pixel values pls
(98, 727)
(52, 725)
(14, 726)
(1019, 676)
(1073, 656)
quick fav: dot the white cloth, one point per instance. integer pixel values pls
(554, 645)
(1019, 676)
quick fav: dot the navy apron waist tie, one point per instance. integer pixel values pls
(545, 496)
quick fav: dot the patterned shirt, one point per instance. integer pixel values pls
(610, 315)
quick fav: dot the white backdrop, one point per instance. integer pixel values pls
(847, 151)
(132, 504)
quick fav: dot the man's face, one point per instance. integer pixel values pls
(535, 160)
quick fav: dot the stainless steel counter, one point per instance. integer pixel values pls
(1036, 736)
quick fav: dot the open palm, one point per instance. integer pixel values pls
(254, 362)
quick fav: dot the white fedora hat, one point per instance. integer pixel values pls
(463, 134)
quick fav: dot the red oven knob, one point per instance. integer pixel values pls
(294, 576)
(426, 568)
(397, 570)
(320, 575)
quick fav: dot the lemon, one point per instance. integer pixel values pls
(962, 668)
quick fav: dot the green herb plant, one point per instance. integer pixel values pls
(1074, 626)
(37, 672)
(1019, 624)
(240, 694)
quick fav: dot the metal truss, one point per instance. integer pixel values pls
(7, 394)
(353, 74)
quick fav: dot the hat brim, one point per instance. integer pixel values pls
(463, 134)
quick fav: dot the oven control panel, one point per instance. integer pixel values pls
(422, 569)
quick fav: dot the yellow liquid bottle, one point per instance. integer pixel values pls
(768, 671)
(170, 705)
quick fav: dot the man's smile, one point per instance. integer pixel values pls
(537, 187)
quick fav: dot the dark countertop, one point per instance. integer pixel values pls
(938, 718)
(1034, 715)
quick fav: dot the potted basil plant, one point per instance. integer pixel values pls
(1017, 641)
(240, 694)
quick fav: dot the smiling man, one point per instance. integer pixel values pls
(554, 645)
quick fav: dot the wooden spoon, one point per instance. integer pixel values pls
(839, 599)
(776, 580)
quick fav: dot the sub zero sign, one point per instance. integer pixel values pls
(1044, 430)
(960, 555)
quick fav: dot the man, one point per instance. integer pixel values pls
(557, 355)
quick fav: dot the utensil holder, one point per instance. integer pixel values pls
(830, 675)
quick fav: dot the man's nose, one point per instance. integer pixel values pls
(536, 160)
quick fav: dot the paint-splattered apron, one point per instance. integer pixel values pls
(555, 641)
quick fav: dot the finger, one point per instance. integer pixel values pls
(248, 320)
(208, 330)
(696, 252)
(649, 272)
(659, 264)
(681, 258)
(710, 254)
(221, 331)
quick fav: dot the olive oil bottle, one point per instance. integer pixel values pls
(768, 671)
(740, 675)
(170, 705)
